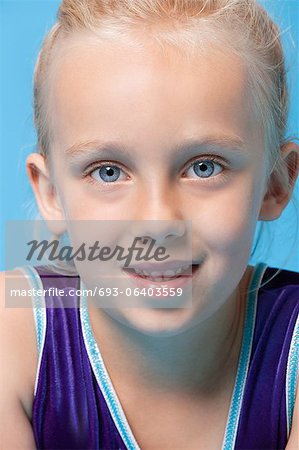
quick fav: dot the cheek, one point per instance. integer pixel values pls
(81, 201)
(227, 222)
(86, 208)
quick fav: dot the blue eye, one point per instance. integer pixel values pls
(205, 168)
(107, 173)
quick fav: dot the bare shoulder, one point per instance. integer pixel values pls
(18, 339)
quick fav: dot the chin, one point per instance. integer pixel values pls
(156, 321)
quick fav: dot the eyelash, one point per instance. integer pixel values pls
(211, 158)
(98, 165)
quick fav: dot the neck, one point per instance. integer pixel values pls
(196, 360)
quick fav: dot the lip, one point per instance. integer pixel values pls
(161, 267)
(178, 282)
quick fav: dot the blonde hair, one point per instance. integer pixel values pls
(192, 23)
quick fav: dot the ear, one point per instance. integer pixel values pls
(45, 193)
(279, 191)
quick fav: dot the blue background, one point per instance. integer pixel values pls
(23, 26)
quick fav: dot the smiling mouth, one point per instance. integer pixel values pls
(186, 272)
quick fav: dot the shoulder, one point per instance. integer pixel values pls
(278, 323)
(277, 307)
(280, 283)
(18, 337)
(284, 286)
(277, 299)
(277, 278)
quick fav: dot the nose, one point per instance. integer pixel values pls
(160, 230)
(160, 217)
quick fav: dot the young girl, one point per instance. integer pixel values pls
(157, 113)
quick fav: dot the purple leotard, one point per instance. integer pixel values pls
(76, 407)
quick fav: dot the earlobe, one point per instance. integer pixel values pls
(280, 188)
(273, 205)
(45, 193)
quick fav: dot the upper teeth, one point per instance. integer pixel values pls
(167, 273)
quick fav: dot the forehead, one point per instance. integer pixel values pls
(114, 89)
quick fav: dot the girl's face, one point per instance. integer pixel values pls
(156, 116)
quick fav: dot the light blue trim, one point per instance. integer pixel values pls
(40, 314)
(103, 378)
(110, 395)
(246, 348)
(292, 376)
(38, 303)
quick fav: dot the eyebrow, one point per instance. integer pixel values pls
(80, 149)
